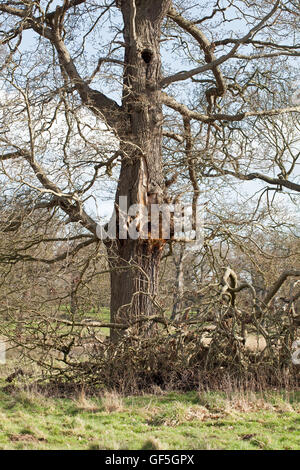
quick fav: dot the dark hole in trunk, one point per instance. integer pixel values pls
(147, 56)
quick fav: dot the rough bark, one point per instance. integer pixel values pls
(135, 263)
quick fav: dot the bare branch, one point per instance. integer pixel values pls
(185, 111)
(185, 74)
(207, 48)
(277, 284)
(267, 179)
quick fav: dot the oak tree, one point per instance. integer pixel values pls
(186, 92)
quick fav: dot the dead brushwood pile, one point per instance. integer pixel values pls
(185, 354)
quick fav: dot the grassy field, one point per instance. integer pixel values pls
(192, 420)
(164, 421)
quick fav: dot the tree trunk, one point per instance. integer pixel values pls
(135, 263)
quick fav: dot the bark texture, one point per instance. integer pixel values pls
(135, 263)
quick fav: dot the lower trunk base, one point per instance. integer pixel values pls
(134, 266)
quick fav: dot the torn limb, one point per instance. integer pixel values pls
(229, 282)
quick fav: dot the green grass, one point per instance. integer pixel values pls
(171, 421)
(193, 420)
